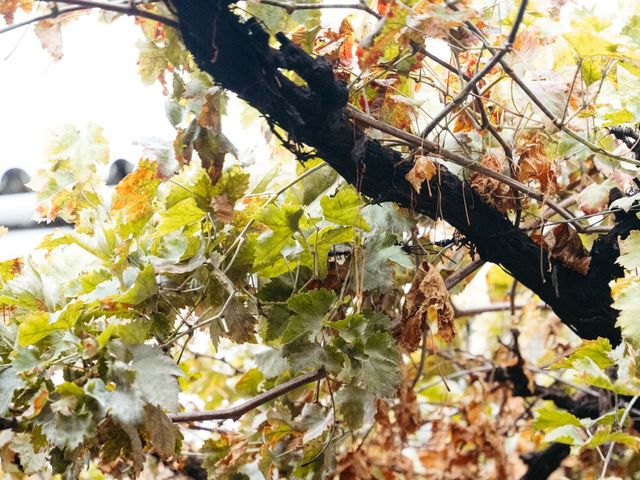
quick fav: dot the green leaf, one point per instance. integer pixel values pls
(163, 434)
(588, 44)
(32, 461)
(382, 257)
(183, 214)
(155, 373)
(10, 381)
(381, 365)
(123, 403)
(632, 29)
(38, 325)
(596, 350)
(26, 359)
(321, 243)
(589, 373)
(355, 405)
(143, 287)
(630, 251)
(303, 355)
(627, 300)
(548, 418)
(343, 208)
(387, 216)
(316, 183)
(311, 309)
(567, 434)
(234, 182)
(151, 61)
(68, 432)
(271, 363)
(603, 436)
(618, 117)
(126, 405)
(191, 182)
(249, 383)
(283, 222)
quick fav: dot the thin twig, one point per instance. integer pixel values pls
(497, 57)
(494, 307)
(473, 165)
(459, 275)
(613, 444)
(125, 9)
(291, 7)
(555, 120)
(52, 14)
(234, 413)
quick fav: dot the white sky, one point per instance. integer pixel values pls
(96, 80)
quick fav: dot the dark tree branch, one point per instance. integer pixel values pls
(234, 413)
(238, 56)
(543, 463)
(8, 423)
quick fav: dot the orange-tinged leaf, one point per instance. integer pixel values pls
(423, 170)
(134, 194)
(534, 164)
(50, 35)
(223, 208)
(491, 190)
(463, 123)
(8, 9)
(564, 244)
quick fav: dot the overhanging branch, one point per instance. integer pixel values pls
(238, 55)
(234, 413)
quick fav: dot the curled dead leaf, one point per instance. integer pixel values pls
(50, 35)
(491, 190)
(223, 208)
(423, 170)
(427, 298)
(533, 163)
(564, 244)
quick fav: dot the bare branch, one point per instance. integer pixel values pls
(126, 9)
(459, 275)
(543, 108)
(497, 57)
(52, 14)
(290, 7)
(496, 307)
(235, 413)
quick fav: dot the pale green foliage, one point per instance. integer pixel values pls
(195, 276)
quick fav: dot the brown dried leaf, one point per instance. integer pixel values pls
(427, 294)
(50, 35)
(223, 208)
(565, 245)
(491, 190)
(423, 170)
(161, 431)
(534, 164)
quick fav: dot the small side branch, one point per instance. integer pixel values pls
(234, 413)
(126, 9)
(468, 88)
(291, 7)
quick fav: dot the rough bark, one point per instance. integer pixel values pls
(237, 54)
